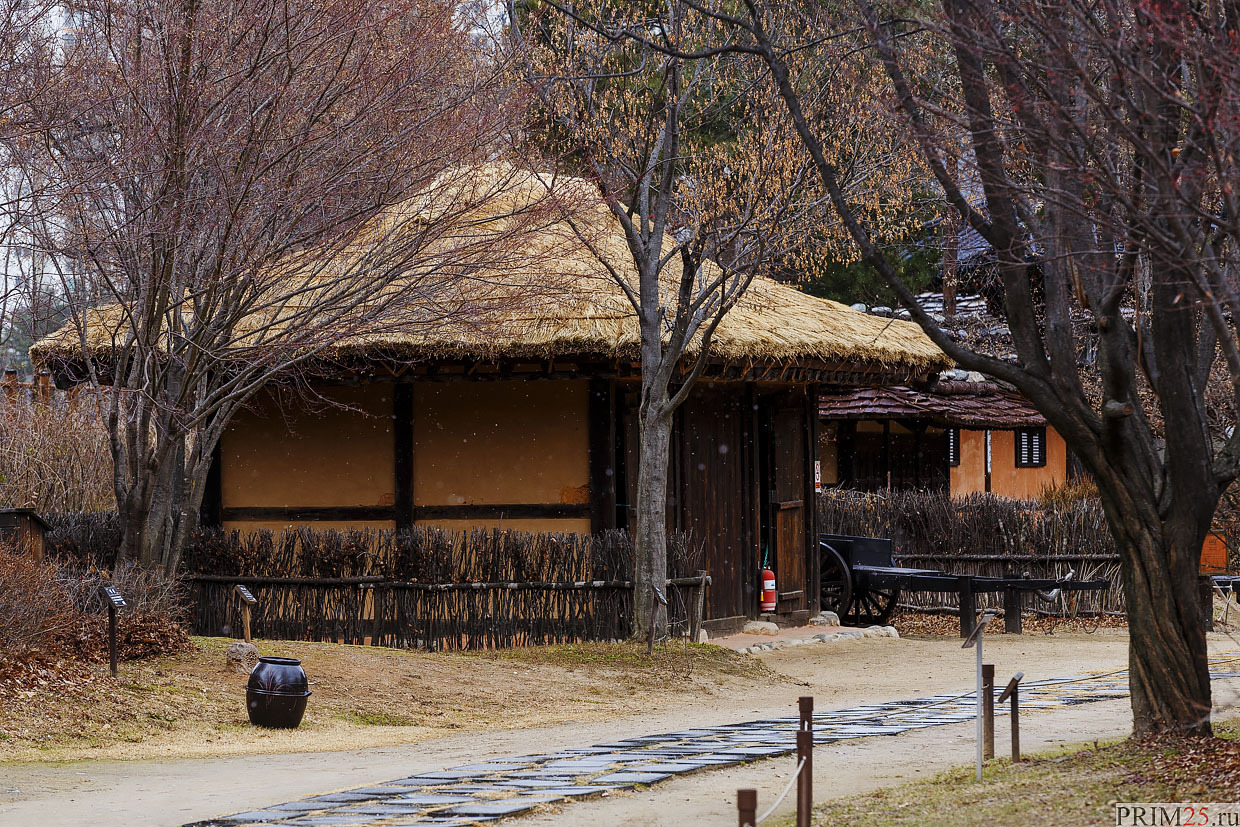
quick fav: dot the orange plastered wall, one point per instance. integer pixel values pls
(289, 456)
(1006, 480)
(505, 442)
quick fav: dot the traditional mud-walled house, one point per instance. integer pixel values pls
(527, 420)
(969, 437)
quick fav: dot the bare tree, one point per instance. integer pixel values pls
(1092, 145)
(694, 164)
(232, 190)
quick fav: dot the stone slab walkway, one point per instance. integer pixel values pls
(485, 792)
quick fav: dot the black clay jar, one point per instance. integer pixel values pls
(276, 694)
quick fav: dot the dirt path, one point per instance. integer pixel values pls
(172, 792)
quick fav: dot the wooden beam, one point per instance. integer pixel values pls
(601, 421)
(310, 514)
(402, 445)
(512, 511)
(212, 495)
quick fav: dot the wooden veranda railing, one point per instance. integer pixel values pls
(384, 612)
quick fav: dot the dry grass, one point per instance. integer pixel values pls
(188, 705)
(1076, 786)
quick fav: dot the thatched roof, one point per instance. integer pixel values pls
(548, 295)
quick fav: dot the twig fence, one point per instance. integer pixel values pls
(433, 589)
(435, 616)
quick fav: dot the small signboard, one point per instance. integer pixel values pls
(245, 593)
(817, 476)
(114, 597)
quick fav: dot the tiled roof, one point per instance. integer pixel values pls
(956, 404)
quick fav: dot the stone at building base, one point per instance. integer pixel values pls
(825, 618)
(242, 657)
(760, 627)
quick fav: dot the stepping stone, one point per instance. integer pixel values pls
(492, 808)
(294, 807)
(497, 766)
(529, 784)
(384, 810)
(378, 790)
(252, 817)
(341, 798)
(631, 777)
(421, 781)
(330, 821)
(433, 799)
(665, 766)
(452, 775)
(580, 790)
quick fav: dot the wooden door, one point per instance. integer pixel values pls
(714, 495)
(788, 508)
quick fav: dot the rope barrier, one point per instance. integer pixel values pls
(782, 795)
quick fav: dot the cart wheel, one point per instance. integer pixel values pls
(836, 581)
(872, 607)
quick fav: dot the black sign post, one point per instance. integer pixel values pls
(115, 601)
(247, 601)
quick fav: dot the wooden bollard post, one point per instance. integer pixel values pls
(247, 602)
(747, 808)
(1012, 690)
(115, 601)
(988, 710)
(805, 753)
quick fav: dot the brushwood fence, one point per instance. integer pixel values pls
(986, 535)
(422, 588)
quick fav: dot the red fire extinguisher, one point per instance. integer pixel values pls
(768, 589)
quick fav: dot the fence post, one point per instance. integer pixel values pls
(378, 601)
(747, 808)
(988, 710)
(699, 599)
(805, 753)
(1011, 611)
(968, 606)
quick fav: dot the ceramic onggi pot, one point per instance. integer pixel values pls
(276, 694)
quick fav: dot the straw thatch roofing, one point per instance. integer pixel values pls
(547, 294)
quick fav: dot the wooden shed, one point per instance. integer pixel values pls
(24, 529)
(524, 416)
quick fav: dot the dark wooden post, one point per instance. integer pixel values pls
(699, 600)
(1012, 599)
(1206, 587)
(747, 808)
(1012, 690)
(112, 639)
(968, 605)
(988, 710)
(1015, 724)
(805, 753)
(115, 601)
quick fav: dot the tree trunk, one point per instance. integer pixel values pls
(1169, 675)
(650, 569)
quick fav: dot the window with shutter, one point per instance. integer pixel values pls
(953, 446)
(1030, 447)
